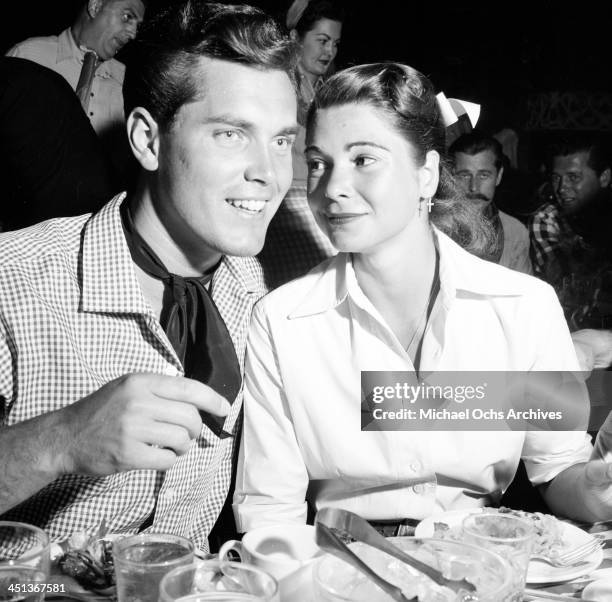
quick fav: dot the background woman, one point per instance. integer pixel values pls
(402, 295)
(294, 243)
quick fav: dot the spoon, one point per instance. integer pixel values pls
(351, 524)
(330, 542)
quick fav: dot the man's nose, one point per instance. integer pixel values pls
(260, 167)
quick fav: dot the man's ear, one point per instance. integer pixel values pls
(143, 136)
(500, 175)
(94, 7)
(605, 177)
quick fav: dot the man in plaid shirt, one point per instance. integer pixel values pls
(97, 420)
(564, 231)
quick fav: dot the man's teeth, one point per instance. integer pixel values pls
(249, 205)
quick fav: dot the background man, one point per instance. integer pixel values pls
(102, 27)
(570, 227)
(160, 284)
(479, 171)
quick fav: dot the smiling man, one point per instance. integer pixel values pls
(102, 27)
(570, 232)
(161, 283)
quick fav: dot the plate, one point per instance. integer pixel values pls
(538, 572)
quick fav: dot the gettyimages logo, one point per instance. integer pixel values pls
(474, 401)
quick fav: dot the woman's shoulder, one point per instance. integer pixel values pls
(317, 285)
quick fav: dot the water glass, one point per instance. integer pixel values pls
(24, 562)
(510, 536)
(142, 560)
(214, 580)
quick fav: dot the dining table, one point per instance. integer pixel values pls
(567, 590)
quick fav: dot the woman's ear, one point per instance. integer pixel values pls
(293, 34)
(429, 175)
(143, 136)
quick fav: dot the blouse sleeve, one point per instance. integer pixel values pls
(547, 453)
(272, 479)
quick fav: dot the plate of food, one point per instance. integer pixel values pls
(83, 564)
(552, 536)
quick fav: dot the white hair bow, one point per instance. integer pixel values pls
(452, 108)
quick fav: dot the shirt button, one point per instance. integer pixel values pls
(418, 489)
(415, 466)
(170, 493)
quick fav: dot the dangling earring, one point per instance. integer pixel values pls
(428, 202)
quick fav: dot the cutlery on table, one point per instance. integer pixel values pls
(573, 556)
(357, 528)
(330, 542)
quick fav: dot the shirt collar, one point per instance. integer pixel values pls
(461, 273)
(67, 49)
(109, 279)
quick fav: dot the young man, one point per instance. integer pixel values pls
(570, 232)
(479, 170)
(160, 283)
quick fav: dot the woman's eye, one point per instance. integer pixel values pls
(363, 161)
(315, 165)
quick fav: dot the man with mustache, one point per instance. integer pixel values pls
(102, 27)
(479, 170)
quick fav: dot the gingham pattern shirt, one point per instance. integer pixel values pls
(553, 243)
(72, 318)
(294, 243)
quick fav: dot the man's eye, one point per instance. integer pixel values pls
(574, 178)
(463, 176)
(484, 176)
(284, 142)
(227, 136)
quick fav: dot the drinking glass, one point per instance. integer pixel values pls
(214, 580)
(142, 560)
(24, 562)
(510, 536)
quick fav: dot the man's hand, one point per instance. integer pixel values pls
(139, 421)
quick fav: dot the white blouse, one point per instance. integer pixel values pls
(308, 343)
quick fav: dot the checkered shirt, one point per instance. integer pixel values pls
(294, 243)
(72, 318)
(554, 243)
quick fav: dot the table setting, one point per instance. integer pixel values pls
(473, 555)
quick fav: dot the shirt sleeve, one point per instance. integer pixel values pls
(6, 379)
(547, 453)
(271, 479)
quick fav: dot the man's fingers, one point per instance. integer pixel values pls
(179, 413)
(180, 388)
(598, 472)
(167, 436)
(147, 457)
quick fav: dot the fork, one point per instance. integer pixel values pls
(573, 556)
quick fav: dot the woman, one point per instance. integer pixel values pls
(294, 243)
(402, 295)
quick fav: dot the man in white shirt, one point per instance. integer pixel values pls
(104, 27)
(479, 171)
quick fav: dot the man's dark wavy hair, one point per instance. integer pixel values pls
(163, 74)
(408, 101)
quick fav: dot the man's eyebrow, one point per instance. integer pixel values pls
(243, 124)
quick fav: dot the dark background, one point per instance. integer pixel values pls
(492, 53)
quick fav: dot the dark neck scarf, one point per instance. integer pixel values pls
(192, 324)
